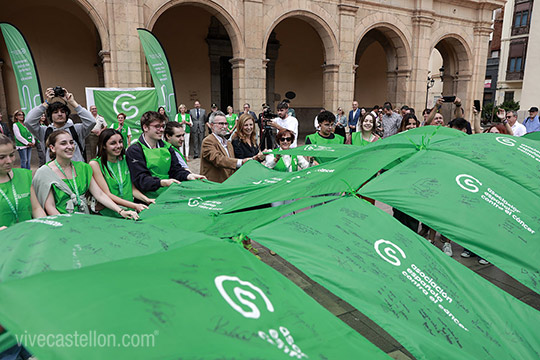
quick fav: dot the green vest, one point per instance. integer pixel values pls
(319, 140)
(178, 118)
(169, 145)
(358, 140)
(82, 181)
(24, 133)
(231, 119)
(20, 208)
(124, 133)
(118, 180)
(280, 165)
(158, 162)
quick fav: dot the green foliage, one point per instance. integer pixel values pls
(489, 112)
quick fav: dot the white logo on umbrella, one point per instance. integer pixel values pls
(124, 106)
(467, 182)
(389, 252)
(243, 296)
(506, 141)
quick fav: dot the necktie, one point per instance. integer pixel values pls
(197, 114)
(1, 129)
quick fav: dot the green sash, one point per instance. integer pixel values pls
(82, 183)
(358, 140)
(15, 205)
(280, 165)
(231, 119)
(158, 161)
(24, 133)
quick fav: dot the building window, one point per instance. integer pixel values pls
(522, 17)
(516, 59)
(508, 96)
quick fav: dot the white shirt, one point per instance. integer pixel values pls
(289, 123)
(519, 129)
(100, 123)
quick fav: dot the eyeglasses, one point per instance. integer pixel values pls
(221, 123)
(509, 116)
(157, 127)
(289, 139)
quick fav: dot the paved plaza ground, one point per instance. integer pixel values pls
(355, 318)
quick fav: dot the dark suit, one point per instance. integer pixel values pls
(197, 130)
(353, 121)
(216, 164)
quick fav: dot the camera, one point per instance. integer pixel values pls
(59, 91)
(267, 117)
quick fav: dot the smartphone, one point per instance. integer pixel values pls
(477, 105)
(449, 99)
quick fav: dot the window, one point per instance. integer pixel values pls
(518, 64)
(516, 59)
(512, 67)
(517, 20)
(508, 96)
(524, 18)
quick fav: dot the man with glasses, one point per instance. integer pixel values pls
(154, 166)
(532, 123)
(517, 128)
(217, 153)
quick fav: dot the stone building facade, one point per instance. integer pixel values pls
(327, 52)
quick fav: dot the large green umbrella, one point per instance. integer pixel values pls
(434, 306)
(533, 135)
(207, 300)
(486, 207)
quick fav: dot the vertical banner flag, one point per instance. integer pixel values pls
(160, 70)
(24, 68)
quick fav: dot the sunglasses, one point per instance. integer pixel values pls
(289, 139)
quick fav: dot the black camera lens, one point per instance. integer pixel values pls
(59, 91)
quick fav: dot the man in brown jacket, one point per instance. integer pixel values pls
(217, 160)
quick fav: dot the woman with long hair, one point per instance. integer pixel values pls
(162, 111)
(232, 119)
(23, 139)
(111, 173)
(62, 184)
(408, 122)
(18, 200)
(244, 140)
(341, 123)
(365, 134)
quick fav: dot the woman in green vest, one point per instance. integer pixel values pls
(231, 120)
(111, 173)
(365, 136)
(62, 184)
(184, 119)
(124, 130)
(285, 163)
(18, 200)
(23, 139)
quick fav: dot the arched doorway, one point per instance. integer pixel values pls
(199, 50)
(68, 55)
(382, 66)
(297, 62)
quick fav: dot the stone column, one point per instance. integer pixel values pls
(330, 86)
(127, 64)
(475, 79)
(402, 82)
(421, 47)
(239, 74)
(391, 88)
(347, 51)
(252, 79)
(105, 57)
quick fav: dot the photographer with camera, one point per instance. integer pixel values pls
(285, 121)
(58, 116)
(267, 131)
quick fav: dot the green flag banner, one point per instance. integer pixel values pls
(24, 68)
(160, 71)
(207, 300)
(67, 242)
(482, 210)
(516, 158)
(434, 306)
(131, 101)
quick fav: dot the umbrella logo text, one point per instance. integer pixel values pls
(506, 141)
(243, 296)
(467, 182)
(389, 251)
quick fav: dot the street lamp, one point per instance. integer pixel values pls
(431, 82)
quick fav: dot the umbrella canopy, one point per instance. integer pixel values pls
(207, 300)
(434, 306)
(484, 205)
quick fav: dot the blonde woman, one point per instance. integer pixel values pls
(185, 120)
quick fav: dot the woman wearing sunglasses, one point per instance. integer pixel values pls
(286, 163)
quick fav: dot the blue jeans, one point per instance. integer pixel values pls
(26, 156)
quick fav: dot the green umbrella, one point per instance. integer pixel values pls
(487, 208)
(207, 300)
(533, 135)
(434, 306)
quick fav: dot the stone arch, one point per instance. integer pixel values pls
(98, 21)
(320, 25)
(215, 9)
(457, 61)
(396, 46)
